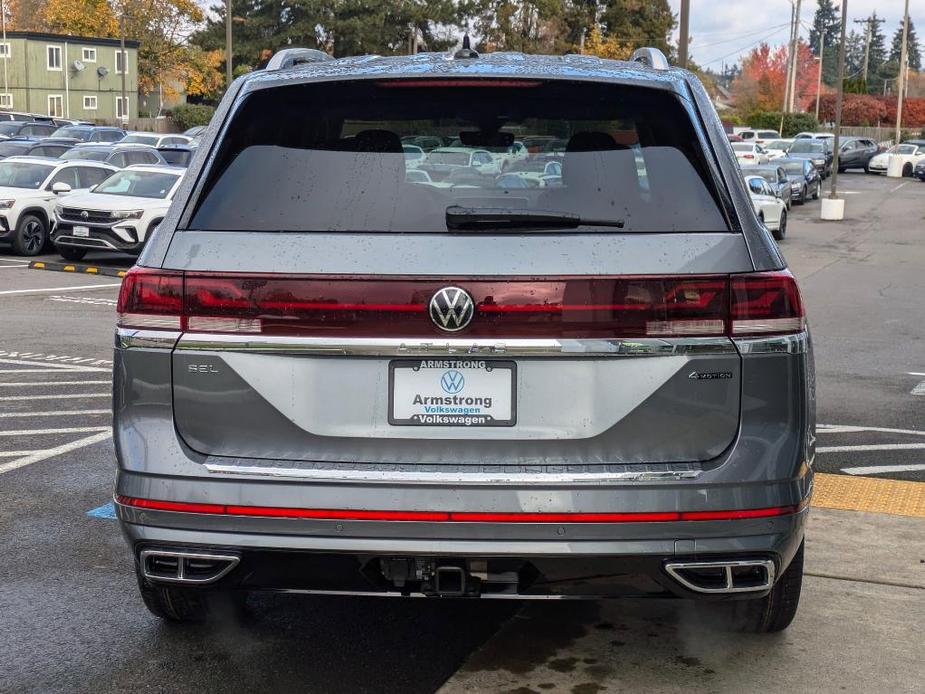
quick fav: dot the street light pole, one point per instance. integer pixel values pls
(6, 55)
(839, 99)
(228, 51)
(683, 37)
(819, 80)
(124, 63)
(903, 57)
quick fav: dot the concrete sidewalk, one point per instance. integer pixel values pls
(859, 629)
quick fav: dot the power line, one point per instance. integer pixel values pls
(747, 46)
(750, 32)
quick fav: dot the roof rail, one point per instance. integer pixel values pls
(652, 57)
(289, 57)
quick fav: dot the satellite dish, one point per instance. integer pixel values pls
(102, 71)
(78, 65)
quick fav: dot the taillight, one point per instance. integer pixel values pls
(765, 303)
(748, 156)
(151, 299)
(600, 307)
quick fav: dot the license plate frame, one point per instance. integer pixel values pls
(465, 365)
(81, 231)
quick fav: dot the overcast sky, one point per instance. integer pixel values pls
(724, 31)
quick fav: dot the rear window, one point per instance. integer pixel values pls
(88, 153)
(807, 147)
(329, 157)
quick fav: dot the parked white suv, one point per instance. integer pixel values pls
(29, 190)
(118, 214)
(769, 207)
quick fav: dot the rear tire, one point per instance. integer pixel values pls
(907, 171)
(187, 605)
(781, 231)
(816, 193)
(775, 611)
(30, 235)
(71, 253)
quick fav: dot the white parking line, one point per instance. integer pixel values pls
(848, 429)
(54, 396)
(882, 469)
(84, 287)
(51, 367)
(893, 190)
(44, 384)
(916, 373)
(7, 267)
(45, 371)
(52, 414)
(49, 432)
(52, 452)
(16, 454)
(56, 358)
(872, 447)
(919, 389)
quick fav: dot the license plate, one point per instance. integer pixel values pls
(452, 393)
(81, 231)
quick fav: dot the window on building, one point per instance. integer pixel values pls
(89, 56)
(122, 108)
(56, 105)
(54, 57)
(4, 50)
(121, 61)
(90, 103)
(6, 100)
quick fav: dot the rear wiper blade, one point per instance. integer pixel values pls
(500, 218)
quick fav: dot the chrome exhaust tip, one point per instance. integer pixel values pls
(740, 576)
(186, 566)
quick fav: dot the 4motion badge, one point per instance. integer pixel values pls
(709, 375)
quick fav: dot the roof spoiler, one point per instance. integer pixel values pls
(651, 57)
(290, 57)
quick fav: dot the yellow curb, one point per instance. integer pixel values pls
(122, 273)
(897, 497)
(69, 268)
(91, 270)
(41, 266)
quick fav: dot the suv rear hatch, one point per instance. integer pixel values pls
(334, 312)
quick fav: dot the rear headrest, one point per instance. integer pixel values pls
(591, 141)
(377, 141)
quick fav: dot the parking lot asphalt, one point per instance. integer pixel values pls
(70, 618)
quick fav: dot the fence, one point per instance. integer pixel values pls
(881, 135)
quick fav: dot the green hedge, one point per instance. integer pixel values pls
(793, 122)
(190, 115)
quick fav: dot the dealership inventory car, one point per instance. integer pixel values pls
(777, 148)
(919, 170)
(817, 151)
(33, 129)
(90, 133)
(29, 190)
(156, 139)
(332, 379)
(856, 153)
(776, 179)
(769, 207)
(759, 137)
(803, 177)
(909, 153)
(750, 153)
(117, 215)
(117, 154)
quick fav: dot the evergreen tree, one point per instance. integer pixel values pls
(877, 52)
(638, 22)
(854, 54)
(915, 55)
(826, 23)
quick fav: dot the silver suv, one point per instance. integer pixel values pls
(332, 377)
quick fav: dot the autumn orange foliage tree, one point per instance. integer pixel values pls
(761, 84)
(79, 17)
(606, 47)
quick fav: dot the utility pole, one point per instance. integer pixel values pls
(789, 63)
(795, 59)
(903, 57)
(124, 63)
(839, 99)
(684, 38)
(870, 21)
(6, 56)
(819, 80)
(228, 50)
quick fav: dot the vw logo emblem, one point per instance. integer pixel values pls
(84, 214)
(451, 309)
(452, 382)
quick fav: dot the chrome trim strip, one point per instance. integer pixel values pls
(447, 478)
(132, 338)
(674, 569)
(404, 347)
(777, 344)
(422, 596)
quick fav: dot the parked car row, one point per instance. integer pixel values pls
(776, 186)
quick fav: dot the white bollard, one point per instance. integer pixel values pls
(833, 209)
(894, 167)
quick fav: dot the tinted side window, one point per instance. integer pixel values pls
(68, 176)
(91, 176)
(110, 136)
(140, 158)
(117, 159)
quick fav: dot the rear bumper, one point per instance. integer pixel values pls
(537, 559)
